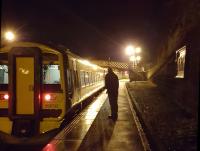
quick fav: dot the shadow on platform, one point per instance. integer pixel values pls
(100, 132)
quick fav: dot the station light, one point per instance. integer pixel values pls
(132, 58)
(138, 50)
(130, 50)
(138, 58)
(9, 36)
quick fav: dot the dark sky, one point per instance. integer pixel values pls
(94, 29)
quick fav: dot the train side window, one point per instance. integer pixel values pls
(86, 78)
(101, 76)
(76, 79)
(97, 77)
(94, 77)
(90, 77)
(89, 82)
(82, 78)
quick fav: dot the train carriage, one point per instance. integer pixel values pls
(40, 85)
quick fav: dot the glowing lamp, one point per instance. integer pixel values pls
(130, 50)
(47, 97)
(6, 96)
(9, 36)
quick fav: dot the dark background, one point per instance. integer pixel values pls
(92, 29)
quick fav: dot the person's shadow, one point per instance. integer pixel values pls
(100, 133)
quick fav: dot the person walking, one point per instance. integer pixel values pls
(112, 85)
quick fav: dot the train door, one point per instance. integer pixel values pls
(70, 85)
(24, 87)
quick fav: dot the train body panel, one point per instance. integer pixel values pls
(39, 85)
(86, 77)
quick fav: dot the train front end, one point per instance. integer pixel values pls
(32, 98)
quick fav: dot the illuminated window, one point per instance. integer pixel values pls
(3, 74)
(86, 78)
(51, 74)
(82, 78)
(50, 69)
(180, 60)
(3, 68)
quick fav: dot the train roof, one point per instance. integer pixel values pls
(45, 47)
(29, 44)
(49, 47)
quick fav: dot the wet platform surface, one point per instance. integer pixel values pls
(93, 131)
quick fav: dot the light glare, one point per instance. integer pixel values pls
(132, 58)
(6, 96)
(130, 50)
(138, 58)
(138, 50)
(9, 36)
(47, 97)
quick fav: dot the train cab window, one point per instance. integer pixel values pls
(4, 71)
(3, 74)
(51, 72)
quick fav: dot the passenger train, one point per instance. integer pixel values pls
(40, 85)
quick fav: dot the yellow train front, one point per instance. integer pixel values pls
(40, 86)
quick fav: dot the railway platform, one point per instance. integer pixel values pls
(92, 130)
(167, 124)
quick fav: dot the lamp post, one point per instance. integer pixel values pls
(133, 53)
(135, 58)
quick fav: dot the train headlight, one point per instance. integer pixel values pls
(47, 97)
(4, 96)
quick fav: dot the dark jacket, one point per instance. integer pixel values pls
(111, 83)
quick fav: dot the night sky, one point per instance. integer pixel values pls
(92, 29)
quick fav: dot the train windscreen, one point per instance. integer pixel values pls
(51, 72)
(3, 74)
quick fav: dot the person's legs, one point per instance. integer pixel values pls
(113, 106)
(115, 109)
